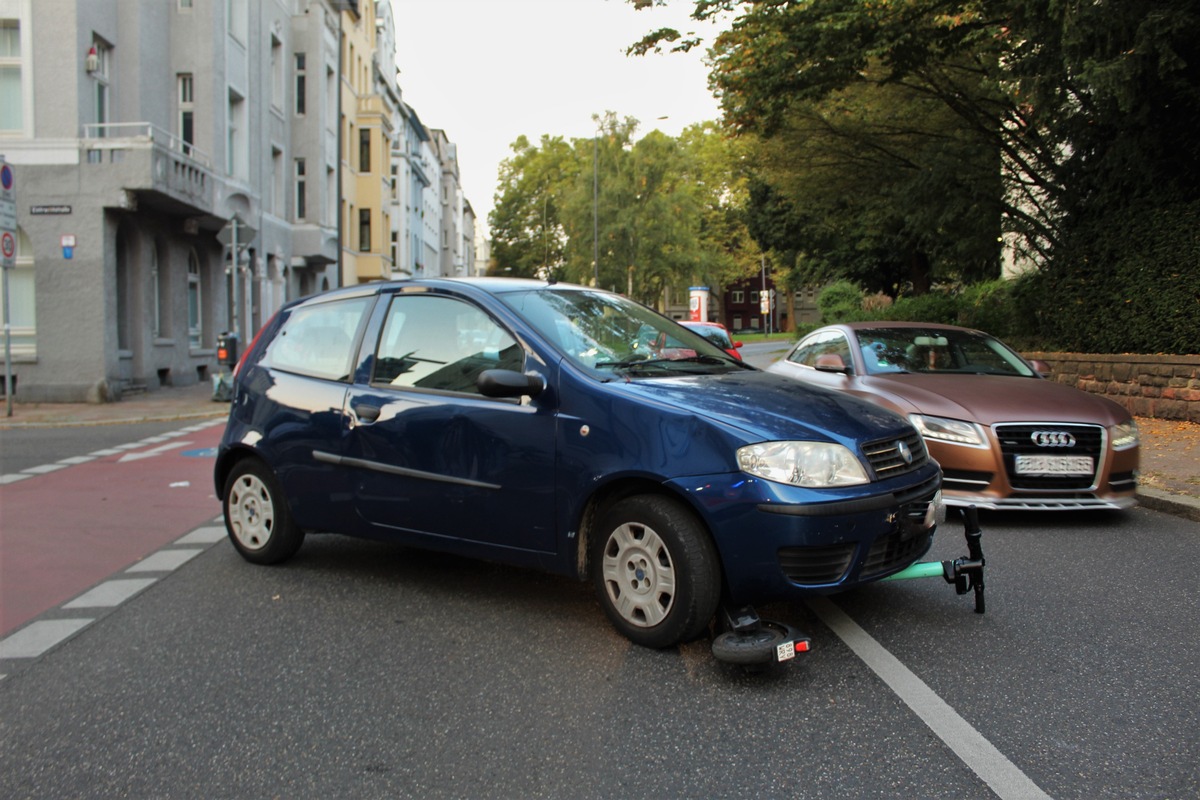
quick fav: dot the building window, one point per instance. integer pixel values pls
(364, 150)
(195, 303)
(12, 115)
(236, 157)
(238, 12)
(100, 77)
(277, 82)
(301, 194)
(737, 297)
(185, 5)
(277, 182)
(754, 299)
(155, 297)
(331, 96)
(331, 195)
(301, 83)
(21, 302)
(364, 229)
(187, 118)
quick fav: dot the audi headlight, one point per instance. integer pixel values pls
(815, 464)
(954, 431)
(1125, 435)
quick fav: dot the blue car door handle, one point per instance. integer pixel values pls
(366, 412)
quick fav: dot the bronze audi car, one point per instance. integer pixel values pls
(1006, 437)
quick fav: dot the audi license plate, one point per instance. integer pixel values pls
(1055, 465)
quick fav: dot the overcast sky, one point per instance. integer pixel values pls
(488, 71)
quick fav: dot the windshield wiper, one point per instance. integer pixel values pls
(638, 363)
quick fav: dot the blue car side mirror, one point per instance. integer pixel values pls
(508, 383)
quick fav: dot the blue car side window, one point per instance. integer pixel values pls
(431, 342)
(318, 340)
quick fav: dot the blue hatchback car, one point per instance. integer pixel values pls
(572, 430)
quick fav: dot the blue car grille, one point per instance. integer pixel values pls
(815, 565)
(888, 456)
(904, 544)
(895, 551)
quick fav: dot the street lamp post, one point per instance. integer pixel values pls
(596, 208)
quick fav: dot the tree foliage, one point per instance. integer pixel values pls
(890, 132)
(1088, 103)
(642, 215)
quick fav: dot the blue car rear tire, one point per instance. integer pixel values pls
(257, 517)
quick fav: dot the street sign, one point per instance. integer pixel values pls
(236, 233)
(8, 260)
(8, 216)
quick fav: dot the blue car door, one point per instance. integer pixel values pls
(434, 458)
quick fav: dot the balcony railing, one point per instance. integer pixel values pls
(126, 135)
(148, 158)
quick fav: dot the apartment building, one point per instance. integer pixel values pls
(206, 161)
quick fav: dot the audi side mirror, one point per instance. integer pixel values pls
(831, 362)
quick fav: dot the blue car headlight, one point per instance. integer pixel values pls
(811, 464)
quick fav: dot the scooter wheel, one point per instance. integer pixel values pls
(755, 646)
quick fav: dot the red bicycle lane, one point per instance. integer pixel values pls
(63, 532)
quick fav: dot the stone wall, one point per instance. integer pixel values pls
(1167, 387)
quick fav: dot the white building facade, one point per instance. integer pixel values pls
(170, 141)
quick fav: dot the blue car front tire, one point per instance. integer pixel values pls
(655, 570)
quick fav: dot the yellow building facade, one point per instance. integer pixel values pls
(366, 134)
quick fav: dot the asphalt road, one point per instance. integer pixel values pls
(366, 670)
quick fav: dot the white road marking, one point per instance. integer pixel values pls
(110, 593)
(1001, 775)
(44, 468)
(151, 453)
(209, 535)
(13, 478)
(38, 637)
(164, 560)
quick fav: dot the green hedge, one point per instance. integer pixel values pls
(1129, 286)
(1132, 286)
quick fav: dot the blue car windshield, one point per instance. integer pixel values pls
(609, 334)
(937, 350)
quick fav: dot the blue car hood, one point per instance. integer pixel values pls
(770, 407)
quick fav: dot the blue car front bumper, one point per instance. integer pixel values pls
(780, 542)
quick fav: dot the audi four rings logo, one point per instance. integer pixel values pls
(1052, 439)
(904, 452)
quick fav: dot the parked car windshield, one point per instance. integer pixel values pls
(609, 334)
(937, 350)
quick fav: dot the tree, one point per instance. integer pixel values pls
(661, 212)
(882, 187)
(528, 239)
(1091, 106)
